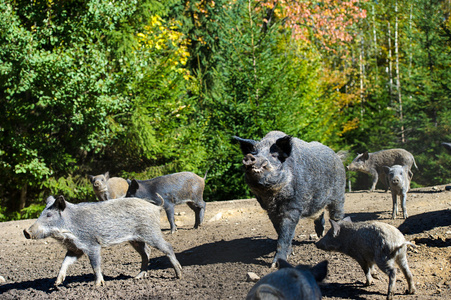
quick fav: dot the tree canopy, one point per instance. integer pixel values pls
(146, 88)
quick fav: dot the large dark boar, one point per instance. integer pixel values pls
(292, 179)
(374, 163)
(177, 188)
(85, 228)
(290, 283)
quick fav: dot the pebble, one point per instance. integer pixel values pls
(2, 279)
(252, 277)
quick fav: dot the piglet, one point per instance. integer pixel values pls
(399, 180)
(371, 243)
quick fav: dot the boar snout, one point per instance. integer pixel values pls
(249, 160)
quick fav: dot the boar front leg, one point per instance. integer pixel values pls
(395, 205)
(71, 257)
(375, 177)
(403, 204)
(285, 229)
(169, 208)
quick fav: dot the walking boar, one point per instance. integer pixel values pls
(290, 283)
(292, 179)
(373, 164)
(399, 180)
(107, 188)
(370, 243)
(85, 228)
(177, 188)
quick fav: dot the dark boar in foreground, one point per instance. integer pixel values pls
(107, 188)
(85, 228)
(373, 164)
(292, 179)
(177, 188)
(290, 283)
(399, 180)
(371, 243)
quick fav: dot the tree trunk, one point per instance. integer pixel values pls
(398, 81)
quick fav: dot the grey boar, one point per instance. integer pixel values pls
(371, 243)
(290, 283)
(85, 228)
(177, 188)
(399, 180)
(373, 164)
(107, 188)
(447, 146)
(292, 179)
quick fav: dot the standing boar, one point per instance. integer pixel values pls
(107, 188)
(399, 180)
(177, 188)
(370, 243)
(290, 283)
(373, 164)
(85, 228)
(292, 179)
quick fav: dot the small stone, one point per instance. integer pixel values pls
(2, 279)
(252, 277)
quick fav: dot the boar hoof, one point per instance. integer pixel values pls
(142, 275)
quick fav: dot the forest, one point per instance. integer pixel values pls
(143, 88)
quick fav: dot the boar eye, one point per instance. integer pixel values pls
(49, 214)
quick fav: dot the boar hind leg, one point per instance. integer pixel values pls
(375, 177)
(166, 248)
(285, 231)
(144, 251)
(401, 260)
(199, 211)
(70, 258)
(388, 267)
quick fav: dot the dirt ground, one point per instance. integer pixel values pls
(236, 238)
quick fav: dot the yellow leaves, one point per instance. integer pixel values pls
(163, 37)
(350, 125)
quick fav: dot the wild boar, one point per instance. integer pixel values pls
(371, 243)
(290, 283)
(373, 164)
(85, 228)
(399, 180)
(292, 179)
(177, 188)
(107, 188)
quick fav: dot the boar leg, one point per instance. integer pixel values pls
(285, 230)
(199, 210)
(403, 204)
(159, 243)
(95, 259)
(71, 257)
(401, 260)
(169, 208)
(319, 225)
(388, 267)
(144, 251)
(395, 205)
(375, 177)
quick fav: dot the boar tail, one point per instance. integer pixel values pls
(395, 251)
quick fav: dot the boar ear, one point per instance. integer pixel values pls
(365, 155)
(134, 185)
(247, 146)
(284, 144)
(347, 219)
(50, 200)
(282, 263)
(60, 203)
(107, 176)
(386, 169)
(409, 173)
(335, 227)
(91, 178)
(320, 271)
